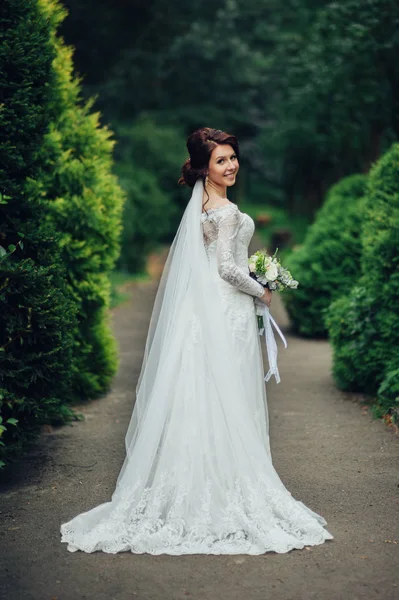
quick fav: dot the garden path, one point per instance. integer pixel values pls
(327, 449)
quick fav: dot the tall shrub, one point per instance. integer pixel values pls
(85, 204)
(37, 313)
(328, 262)
(60, 209)
(364, 324)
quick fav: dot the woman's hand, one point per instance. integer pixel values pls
(267, 297)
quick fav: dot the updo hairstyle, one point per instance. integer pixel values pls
(200, 145)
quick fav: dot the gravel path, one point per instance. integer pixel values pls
(329, 452)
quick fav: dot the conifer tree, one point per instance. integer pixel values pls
(85, 203)
(60, 213)
(37, 312)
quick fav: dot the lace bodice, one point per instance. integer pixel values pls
(227, 233)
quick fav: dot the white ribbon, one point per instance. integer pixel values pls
(271, 346)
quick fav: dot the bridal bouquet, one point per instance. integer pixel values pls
(268, 271)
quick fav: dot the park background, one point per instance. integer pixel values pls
(97, 101)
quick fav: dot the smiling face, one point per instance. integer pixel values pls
(223, 165)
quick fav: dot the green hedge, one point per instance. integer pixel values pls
(364, 324)
(60, 223)
(85, 202)
(37, 313)
(327, 264)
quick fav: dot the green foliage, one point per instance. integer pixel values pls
(310, 87)
(149, 160)
(85, 202)
(364, 324)
(60, 209)
(146, 216)
(388, 393)
(25, 58)
(37, 311)
(328, 263)
(337, 96)
(36, 343)
(120, 281)
(352, 320)
(279, 220)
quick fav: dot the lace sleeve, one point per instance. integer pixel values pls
(227, 268)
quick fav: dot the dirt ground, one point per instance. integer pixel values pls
(330, 453)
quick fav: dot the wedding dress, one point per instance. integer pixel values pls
(198, 474)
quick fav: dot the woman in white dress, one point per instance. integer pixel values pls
(198, 476)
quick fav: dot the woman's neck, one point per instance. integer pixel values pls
(216, 192)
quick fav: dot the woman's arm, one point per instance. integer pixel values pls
(227, 268)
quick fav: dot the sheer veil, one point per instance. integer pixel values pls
(188, 350)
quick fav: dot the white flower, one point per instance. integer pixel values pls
(271, 272)
(267, 261)
(252, 267)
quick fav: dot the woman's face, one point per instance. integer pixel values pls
(223, 165)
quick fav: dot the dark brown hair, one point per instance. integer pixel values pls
(200, 145)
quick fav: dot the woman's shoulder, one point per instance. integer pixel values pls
(221, 207)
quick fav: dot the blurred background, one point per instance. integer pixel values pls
(309, 87)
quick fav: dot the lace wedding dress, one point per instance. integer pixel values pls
(205, 483)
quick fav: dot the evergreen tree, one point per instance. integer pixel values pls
(60, 208)
(85, 203)
(37, 313)
(328, 262)
(364, 323)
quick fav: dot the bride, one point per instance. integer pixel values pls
(198, 476)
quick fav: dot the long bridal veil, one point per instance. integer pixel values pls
(188, 352)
